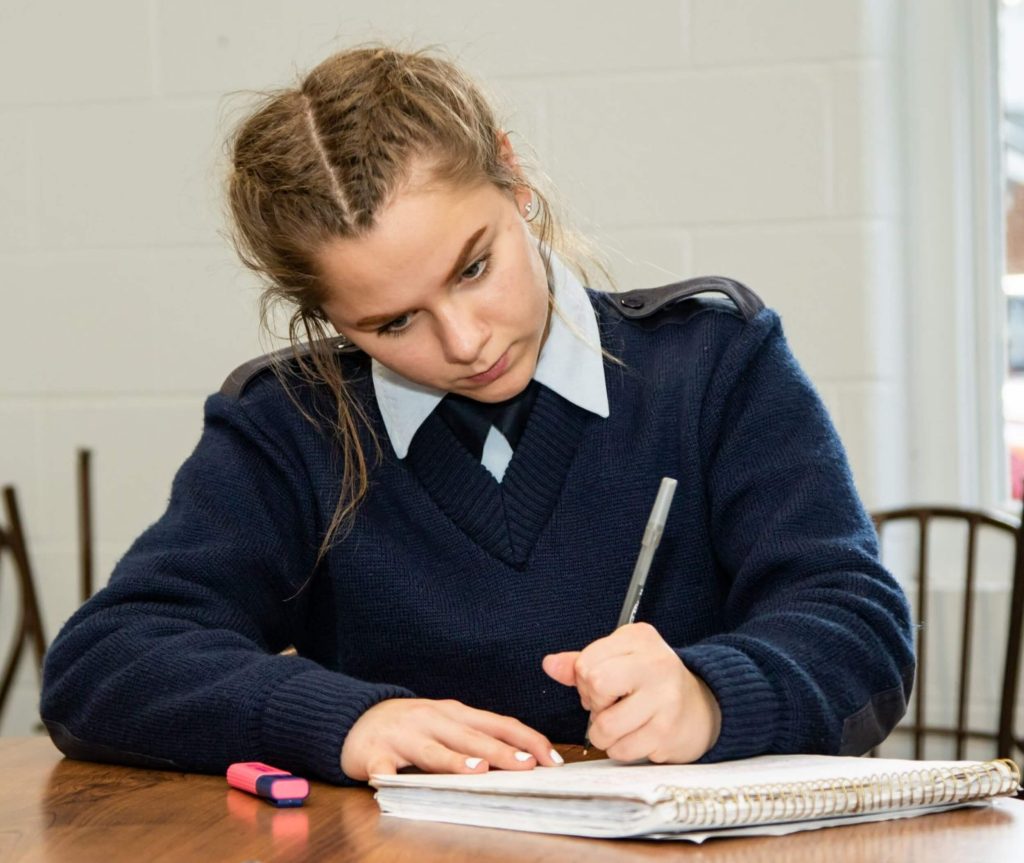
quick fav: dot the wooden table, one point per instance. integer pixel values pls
(52, 809)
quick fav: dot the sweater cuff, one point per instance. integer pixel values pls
(748, 703)
(306, 719)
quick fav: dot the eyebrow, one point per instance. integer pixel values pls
(459, 266)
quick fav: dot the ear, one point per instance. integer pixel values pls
(522, 192)
(506, 153)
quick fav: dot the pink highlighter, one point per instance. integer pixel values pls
(278, 786)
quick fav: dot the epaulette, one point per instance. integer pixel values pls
(645, 302)
(236, 382)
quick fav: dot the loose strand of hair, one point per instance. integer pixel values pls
(312, 362)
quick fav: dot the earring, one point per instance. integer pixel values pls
(532, 208)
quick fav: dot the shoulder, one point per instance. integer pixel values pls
(283, 363)
(691, 336)
(680, 301)
(709, 313)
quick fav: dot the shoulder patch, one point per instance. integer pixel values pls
(646, 302)
(235, 383)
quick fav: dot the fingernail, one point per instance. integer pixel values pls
(523, 756)
(558, 759)
(473, 763)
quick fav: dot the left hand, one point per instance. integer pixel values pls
(643, 702)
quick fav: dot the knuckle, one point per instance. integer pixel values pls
(421, 707)
(595, 679)
(644, 629)
(661, 725)
(516, 724)
(598, 733)
(624, 752)
(538, 742)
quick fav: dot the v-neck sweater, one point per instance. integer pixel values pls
(448, 584)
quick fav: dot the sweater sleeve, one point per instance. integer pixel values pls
(176, 662)
(816, 652)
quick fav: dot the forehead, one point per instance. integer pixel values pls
(414, 242)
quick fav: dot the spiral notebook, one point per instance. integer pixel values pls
(767, 795)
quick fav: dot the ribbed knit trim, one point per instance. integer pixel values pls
(462, 488)
(749, 704)
(504, 519)
(534, 481)
(306, 719)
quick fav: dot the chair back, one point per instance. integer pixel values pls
(1004, 739)
(28, 629)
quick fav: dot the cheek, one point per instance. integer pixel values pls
(528, 291)
(539, 300)
(405, 354)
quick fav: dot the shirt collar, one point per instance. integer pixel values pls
(570, 364)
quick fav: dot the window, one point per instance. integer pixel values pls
(1011, 70)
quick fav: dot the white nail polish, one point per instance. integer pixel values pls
(558, 759)
(473, 763)
(523, 756)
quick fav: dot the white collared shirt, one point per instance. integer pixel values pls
(570, 364)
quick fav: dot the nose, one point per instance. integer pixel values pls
(463, 332)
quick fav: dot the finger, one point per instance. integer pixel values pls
(435, 757)
(496, 753)
(661, 742)
(604, 683)
(518, 736)
(626, 639)
(638, 744)
(381, 764)
(621, 719)
(561, 666)
(635, 639)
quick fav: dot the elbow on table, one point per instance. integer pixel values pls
(871, 724)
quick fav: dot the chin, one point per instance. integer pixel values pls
(499, 391)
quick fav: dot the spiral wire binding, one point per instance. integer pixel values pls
(824, 798)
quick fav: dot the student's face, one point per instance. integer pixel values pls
(447, 289)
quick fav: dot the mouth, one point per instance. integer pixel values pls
(493, 373)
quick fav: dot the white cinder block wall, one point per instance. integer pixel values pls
(753, 138)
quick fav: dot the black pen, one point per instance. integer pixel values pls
(648, 545)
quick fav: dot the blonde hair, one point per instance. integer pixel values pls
(320, 161)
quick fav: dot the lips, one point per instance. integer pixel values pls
(493, 373)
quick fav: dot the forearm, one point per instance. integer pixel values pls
(129, 685)
(826, 671)
(816, 653)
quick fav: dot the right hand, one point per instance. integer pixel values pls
(440, 737)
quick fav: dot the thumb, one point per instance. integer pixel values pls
(382, 765)
(561, 666)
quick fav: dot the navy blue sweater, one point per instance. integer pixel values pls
(449, 585)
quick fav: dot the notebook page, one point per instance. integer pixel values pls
(648, 782)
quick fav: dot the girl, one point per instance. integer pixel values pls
(437, 496)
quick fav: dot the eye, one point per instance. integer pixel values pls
(395, 327)
(476, 270)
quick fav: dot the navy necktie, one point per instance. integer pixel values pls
(471, 421)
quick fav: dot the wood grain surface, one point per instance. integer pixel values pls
(53, 809)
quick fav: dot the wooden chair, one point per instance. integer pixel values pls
(1004, 738)
(85, 544)
(28, 629)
